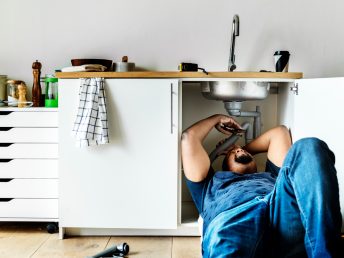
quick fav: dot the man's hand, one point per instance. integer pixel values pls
(228, 125)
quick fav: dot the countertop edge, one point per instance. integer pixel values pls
(160, 74)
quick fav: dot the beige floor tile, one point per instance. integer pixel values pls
(18, 240)
(186, 247)
(21, 240)
(146, 247)
(71, 247)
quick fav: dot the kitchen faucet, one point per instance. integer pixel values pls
(235, 33)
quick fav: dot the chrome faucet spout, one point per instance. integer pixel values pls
(235, 33)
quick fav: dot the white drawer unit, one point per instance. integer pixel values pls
(28, 188)
(28, 150)
(28, 135)
(29, 164)
(13, 209)
(27, 117)
(28, 168)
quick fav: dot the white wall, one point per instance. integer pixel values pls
(159, 34)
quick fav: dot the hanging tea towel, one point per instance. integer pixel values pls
(91, 125)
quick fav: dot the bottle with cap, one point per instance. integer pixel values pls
(51, 92)
(22, 89)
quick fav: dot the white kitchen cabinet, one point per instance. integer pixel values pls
(134, 185)
(28, 164)
(132, 182)
(315, 112)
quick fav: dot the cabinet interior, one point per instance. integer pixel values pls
(195, 107)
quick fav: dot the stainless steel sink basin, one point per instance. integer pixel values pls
(235, 90)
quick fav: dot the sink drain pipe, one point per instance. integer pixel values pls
(234, 109)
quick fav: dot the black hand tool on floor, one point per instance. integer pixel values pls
(120, 250)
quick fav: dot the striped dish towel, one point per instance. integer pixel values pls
(91, 125)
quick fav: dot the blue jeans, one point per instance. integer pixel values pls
(299, 218)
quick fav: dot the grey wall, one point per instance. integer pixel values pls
(159, 34)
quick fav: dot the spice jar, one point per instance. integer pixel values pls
(12, 92)
(3, 81)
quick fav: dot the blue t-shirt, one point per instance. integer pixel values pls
(225, 190)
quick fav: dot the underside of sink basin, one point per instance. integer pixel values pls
(235, 90)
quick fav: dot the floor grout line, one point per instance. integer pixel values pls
(106, 246)
(49, 236)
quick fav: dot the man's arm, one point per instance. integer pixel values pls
(195, 159)
(276, 142)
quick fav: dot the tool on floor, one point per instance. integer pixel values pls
(120, 250)
(190, 67)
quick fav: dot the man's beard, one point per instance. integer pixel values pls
(243, 158)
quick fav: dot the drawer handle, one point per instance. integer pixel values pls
(5, 180)
(5, 160)
(5, 128)
(5, 113)
(5, 144)
(6, 199)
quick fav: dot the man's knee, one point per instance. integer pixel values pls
(310, 145)
(310, 142)
(313, 147)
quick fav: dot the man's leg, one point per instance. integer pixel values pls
(304, 206)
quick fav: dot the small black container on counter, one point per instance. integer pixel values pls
(281, 61)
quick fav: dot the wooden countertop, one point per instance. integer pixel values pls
(157, 74)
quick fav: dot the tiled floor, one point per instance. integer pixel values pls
(21, 240)
(32, 240)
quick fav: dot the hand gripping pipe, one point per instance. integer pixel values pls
(234, 109)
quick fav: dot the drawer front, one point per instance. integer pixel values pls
(28, 208)
(28, 168)
(28, 119)
(28, 188)
(27, 150)
(28, 135)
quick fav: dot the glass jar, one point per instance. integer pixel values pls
(12, 92)
(51, 92)
(3, 81)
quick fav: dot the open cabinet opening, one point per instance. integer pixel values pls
(195, 107)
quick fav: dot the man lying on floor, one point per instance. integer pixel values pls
(290, 210)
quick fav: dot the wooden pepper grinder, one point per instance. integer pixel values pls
(36, 88)
(22, 95)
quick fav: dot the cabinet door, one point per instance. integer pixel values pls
(132, 181)
(317, 109)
